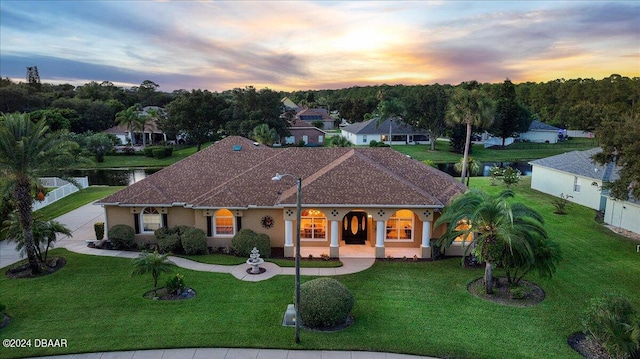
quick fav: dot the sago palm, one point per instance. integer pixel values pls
(45, 233)
(153, 263)
(28, 151)
(498, 227)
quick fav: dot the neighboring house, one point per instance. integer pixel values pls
(151, 131)
(290, 105)
(361, 133)
(366, 198)
(311, 115)
(302, 131)
(542, 132)
(575, 174)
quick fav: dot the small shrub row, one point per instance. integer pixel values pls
(158, 151)
(375, 143)
(244, 241)
(181, 239)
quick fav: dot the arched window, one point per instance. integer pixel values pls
(313, 225)
(400, 226)
(151, 219)
(224, 223)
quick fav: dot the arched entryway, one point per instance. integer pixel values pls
(355, 227)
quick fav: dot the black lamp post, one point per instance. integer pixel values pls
(278, 177)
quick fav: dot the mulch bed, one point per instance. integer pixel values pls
(533, 294)
(587, 347)
(23, 270)
(188, 293)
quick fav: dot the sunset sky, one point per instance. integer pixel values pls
(300, 45)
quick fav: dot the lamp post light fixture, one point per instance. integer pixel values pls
(278, 177)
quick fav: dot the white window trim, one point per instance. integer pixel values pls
(142, 226)
(413, 226)
(215, 228)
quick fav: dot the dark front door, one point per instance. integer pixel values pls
(354, 228)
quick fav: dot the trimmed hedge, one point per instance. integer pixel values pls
(158, 151)
(244, 241)
(122, 236)
(170, 243)
(325, 303)
(194, 241)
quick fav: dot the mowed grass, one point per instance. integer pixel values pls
(516, 152)
(76, 200)
(406, 307)
(140, 161)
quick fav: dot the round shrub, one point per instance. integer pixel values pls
(325, 303)
(168, 151)
(170, 243)
(194, 241)
(244, 241)
(121, 236)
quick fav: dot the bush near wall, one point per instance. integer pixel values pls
(122, 236)
(194, 241)
(158, 151)
(244, 241)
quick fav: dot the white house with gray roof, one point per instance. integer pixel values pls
(575, 174)
(362, 133)
(541, 132)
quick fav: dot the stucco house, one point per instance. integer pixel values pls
(302, 131)
(361, 133)
(541, 132)
(366, 200)
(575, 174)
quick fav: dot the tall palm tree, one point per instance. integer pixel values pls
(497, 226)
(27, 151)
(472, 165)
(143, 120)
(390, 109)
(129, 119)
(153, 263)
(473, 108)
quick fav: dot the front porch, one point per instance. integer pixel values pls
(361, 251)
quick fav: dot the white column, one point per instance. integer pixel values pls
(380, 232)
(288, 238)
(426, 233)
(425, 248)
(334, 247)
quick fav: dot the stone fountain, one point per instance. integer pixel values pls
(255, 261)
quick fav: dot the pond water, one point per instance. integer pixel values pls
(524, 167)
(125, 177)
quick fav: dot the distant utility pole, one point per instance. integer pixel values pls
(33, 77)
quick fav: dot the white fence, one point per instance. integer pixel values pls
(63, 189)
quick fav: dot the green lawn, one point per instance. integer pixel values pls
(141, 161)
(76, 200)
(409, 307)
(513, 153)
(226, 259)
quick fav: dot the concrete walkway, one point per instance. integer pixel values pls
(80, 222)
(235, 353)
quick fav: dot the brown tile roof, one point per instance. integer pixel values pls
(220, 176)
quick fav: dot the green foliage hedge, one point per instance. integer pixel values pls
(325, 303)
(194, 241)
(170, 243)
(158, 151)
(122, 236)
(244, 241)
